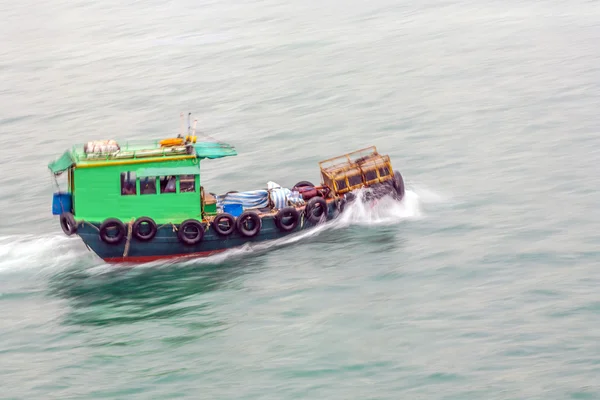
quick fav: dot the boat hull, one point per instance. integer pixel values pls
(166, 245)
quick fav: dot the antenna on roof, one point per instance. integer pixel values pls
(181, 115)
(189, 114)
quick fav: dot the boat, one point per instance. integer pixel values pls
(141, 201)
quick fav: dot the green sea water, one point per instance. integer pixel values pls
(481, 284)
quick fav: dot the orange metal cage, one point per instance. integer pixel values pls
(357, 169)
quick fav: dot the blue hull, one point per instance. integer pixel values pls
(167, 245)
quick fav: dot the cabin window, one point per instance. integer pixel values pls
(354, 180)
(384, 171)
(128, 183)
(341, 184)
(148, 185)
(187, 183)
(167, 184)
(371, 175)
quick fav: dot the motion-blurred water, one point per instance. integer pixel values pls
(482, 284)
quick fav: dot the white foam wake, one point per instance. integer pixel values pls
(19, 252)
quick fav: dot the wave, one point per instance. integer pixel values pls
(19, 252)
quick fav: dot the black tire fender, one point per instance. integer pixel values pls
(190, 240)
(246, 216)
(312, 209)
(303, 184)
(136, 229)
(67, 223)
(112, 223)
(399, 185)
(220, 231)
(287, 212)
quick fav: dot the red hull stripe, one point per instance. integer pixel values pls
(144, 259)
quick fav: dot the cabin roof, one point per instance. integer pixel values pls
(62, 163)
(105, 153)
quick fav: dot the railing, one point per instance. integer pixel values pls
(347, 160)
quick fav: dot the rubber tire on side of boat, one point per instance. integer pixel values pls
(138, 224)
(112, 223)
(190, 241)
(287, 212)
(399, 185)
(67, 223)
(220, 231)
(313, 205)
(243, 218)
(303, 184)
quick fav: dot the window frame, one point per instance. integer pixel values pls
(160, 190)
(194, 180)
(149, 178)
(123, 180)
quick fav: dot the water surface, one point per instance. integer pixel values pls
(482, 284)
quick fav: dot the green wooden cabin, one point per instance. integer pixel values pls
(109, 180)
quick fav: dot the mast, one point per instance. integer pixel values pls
(181, 130)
